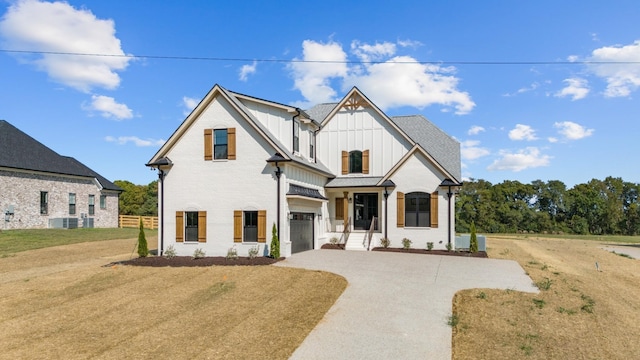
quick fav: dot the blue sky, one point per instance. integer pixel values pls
(532, 89)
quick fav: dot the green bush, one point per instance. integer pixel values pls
(385, 243)
(253, 251)
(406, 244)
(198, 253)
(274, 252)
(429, 246)
(143, 249)
(473, 241)
(170, 252)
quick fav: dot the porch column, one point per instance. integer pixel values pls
(345, 208)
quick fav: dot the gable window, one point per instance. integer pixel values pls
(44, 203)
(103, 202)
(355, 162)
(220, 144)
(296, 136)
(92, 204)
(72, 203)
(191, 226)
(250, 226)
(417, 209)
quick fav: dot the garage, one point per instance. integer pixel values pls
(301, 231)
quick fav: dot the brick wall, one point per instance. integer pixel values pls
(22, 190)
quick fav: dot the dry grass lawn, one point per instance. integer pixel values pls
(62, 303)
(580, 313)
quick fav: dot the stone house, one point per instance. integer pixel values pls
(42, 189)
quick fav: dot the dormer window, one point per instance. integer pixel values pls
(296, 136)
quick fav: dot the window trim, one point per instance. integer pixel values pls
(226, 144)
(312, 145)
(352, 163)
(103, 202)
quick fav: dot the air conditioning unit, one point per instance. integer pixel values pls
(63, 223)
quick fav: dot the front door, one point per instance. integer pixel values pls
(365, 208)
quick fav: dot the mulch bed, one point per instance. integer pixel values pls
(188, 261)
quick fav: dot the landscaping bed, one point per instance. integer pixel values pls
(479, 254)
(188, 261)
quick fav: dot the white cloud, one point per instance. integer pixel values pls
(552, 139)
(469, 150)
(122, 140)
(323, 62)
(189, 104)
(109, 108)
(621, 78)
(576, 88)
(523, 159)
(247, 70)
(58, 27)
(523, 90)
(394, 82)
(522, 132)
(475, 130)
(572, 131)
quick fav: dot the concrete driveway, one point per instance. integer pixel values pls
(396, 305)
(632, 250)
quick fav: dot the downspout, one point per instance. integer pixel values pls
(449, 194)
(386, 205)
(161, 178)
(278, 173)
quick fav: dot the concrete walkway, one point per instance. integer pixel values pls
(396, 306)
(632, 250)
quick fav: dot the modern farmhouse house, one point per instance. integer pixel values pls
(42, 189)
(237, 165)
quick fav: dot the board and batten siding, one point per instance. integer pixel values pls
(219, 187)
(362, 130)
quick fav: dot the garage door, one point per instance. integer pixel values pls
(301, 232)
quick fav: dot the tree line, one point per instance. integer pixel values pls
(610, 206)
(140, 200)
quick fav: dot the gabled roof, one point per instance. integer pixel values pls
(235, 102)
(20, 151)
(443, 148)
(319, 112)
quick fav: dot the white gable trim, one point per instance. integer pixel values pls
(356, 92)
(415, 149)
(216, 91)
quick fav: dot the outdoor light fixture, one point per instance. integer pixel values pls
(290, 216)
(350, 200)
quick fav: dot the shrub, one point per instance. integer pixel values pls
(544, 284)
(143, 250)
(406, 244)
(430, 246)
(170, 252)
(333, 240)
(274, 252)
(232, 253)
(253, 251)
(449, 247)
(198, 253)
(473, 241)
(453, 320)
(385, 243)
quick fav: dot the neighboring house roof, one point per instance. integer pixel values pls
(20, 151)
(442, 147)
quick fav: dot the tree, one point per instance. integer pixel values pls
(275, 243)
(473, 240)
(143, 250)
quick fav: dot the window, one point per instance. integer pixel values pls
(72, 204)
(312, 145)
(44, 203)
(250, 230)
(220, 143)
(417, 209)
(103, 202)
(250, 226)
(191, 226)
(92, 204)
(355, 162)
(296, 136)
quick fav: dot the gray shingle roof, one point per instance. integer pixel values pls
(305, 192)
(369, 181)
(20, 151)
(442, 147)
(320, 111)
